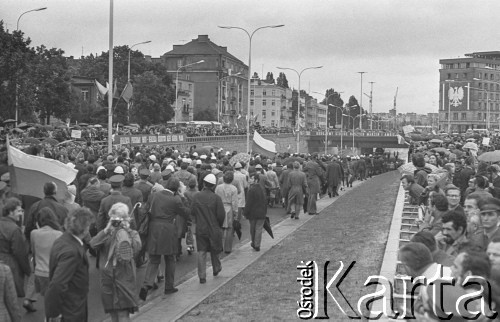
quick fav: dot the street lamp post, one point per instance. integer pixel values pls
(361, 99)
(352, 130)
(177, 86)
(326, 130)
(298, 98)
(341, 124)
(250, 36)
(128, 74)
(17, 85)
(487, 105)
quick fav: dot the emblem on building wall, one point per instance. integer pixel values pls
(455, 95)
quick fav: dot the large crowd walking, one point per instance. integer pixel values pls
(145, 207)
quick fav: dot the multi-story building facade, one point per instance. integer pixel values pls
(219, 82)
(469, 92)
(270, 104)
(185, 101)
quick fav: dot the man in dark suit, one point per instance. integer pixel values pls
(66, 295)
(115, 196)
(333, 177)
(50, 201)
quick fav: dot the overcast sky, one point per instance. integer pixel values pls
(397, 42)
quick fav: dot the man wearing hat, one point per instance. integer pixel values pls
(167, 173)
(489, 212)
(209, 214)
(115, 196)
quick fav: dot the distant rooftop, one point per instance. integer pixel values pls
(485, 55)
(201, 46)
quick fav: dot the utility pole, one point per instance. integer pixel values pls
(371, 105)
(361, 102)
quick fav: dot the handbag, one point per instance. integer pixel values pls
(143, 225)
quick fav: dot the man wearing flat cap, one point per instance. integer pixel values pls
(115, 196)
(489, 212)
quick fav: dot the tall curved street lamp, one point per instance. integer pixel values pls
(299, 74)
(250, 36)
(353, 118)
(128, 74)
(177, 85)
(22, 14)
(17, 28)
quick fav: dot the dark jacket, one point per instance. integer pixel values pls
(134, 194)
(256, 206)
(67, 292)
(92, 197)
(145, 187)
(106, 204)
(333, 174)
(208, 212)
(420, 175)
(162, 235)
(14, 252)
(49, 201)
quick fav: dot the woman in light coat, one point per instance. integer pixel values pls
(229, 195)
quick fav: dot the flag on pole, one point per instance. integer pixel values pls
(263, 146)
(28, 173)
(101, 89)
(115, 89)
(127, 93)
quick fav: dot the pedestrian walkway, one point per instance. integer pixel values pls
(191, 292)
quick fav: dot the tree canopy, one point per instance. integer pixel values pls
(282, 81)
(40, 80)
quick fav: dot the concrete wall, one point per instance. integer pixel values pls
(288, 143)
(239, 143)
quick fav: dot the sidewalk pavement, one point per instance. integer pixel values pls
(191, 292)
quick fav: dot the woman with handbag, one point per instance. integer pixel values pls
(118, 245)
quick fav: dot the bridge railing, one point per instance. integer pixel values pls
(356, 133)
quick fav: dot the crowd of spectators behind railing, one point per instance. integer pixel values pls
(99, 133)
(457, 188)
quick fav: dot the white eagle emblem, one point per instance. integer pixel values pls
(455, 95)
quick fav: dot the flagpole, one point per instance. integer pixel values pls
(110, 91)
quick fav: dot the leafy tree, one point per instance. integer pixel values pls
(270, 78)
(15, 72)
(333, 98)
(282, 81)
(52, 77)
(151, 104)
(204, 115)
(98, 68)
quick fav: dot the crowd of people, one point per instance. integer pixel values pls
(62, 132)
(457, 188)
(145, 207)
